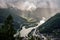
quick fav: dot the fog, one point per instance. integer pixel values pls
(36, 8)
(28, 3)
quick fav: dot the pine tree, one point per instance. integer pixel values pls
(7, 29)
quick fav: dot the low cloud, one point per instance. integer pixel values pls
(29, 4)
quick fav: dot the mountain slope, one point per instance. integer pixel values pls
(16, 14)
(4, 12)
(51, 26)
(48, 30)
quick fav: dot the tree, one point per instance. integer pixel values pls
(7, 30)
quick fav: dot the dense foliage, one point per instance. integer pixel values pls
(51, 26)
(7, 31)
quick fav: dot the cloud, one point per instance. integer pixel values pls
(30, 4)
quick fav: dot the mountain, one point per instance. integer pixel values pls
(51, 27)
(44, 12)
(16, 14)
(4, 12)
(48, 30)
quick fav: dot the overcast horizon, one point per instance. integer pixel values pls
(30, 4)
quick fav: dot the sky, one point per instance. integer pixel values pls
(30, 4)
